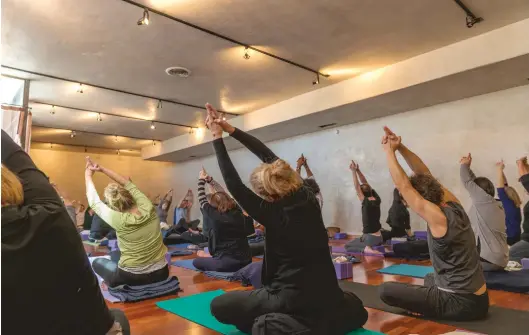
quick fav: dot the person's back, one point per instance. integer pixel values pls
(454, 257)
(297, 252)
(227, 235)
(48, 286)
(487, 218)
(99, 229)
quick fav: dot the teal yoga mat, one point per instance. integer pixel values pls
(417, 271)
(195, 308)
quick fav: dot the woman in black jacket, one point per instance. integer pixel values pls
(398, 219)
(227, 231)
(300, 290)
(45, 272)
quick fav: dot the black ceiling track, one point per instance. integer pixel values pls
(113, 115)
(111, 89)
(77, 131)
(86, 146)
(471, 19)
(225, 38)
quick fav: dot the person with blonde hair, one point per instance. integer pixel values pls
(227, 230)
(137, 226)
(38, 237)
(301, 292)
(511, 205)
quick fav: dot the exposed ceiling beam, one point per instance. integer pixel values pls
(111, 89)
(77, 131)
(226, 38)
(114, 115)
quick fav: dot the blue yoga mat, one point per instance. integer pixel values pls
(181, 252)
(417, 271)
(220, 275)
(180, 245)
(186, 264)
(195, 308)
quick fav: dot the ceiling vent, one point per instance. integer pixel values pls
(177, 71)
(327, 125)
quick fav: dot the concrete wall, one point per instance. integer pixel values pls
(491, 126)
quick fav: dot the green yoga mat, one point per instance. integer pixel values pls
(417, 271)
(195, 308)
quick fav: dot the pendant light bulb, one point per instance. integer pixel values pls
(144, 21)
(246, 53)
(80, 88)
(72, 134)
(52, 111)
(117, 152)
(159, 104)
(116, 138)
(99, 118)
(153, 126)
(317, 80)
(153, 143)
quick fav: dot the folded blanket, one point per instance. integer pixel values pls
(221, 275)
(510, 281)
(143, 292)
(256, 239)
(250, 275)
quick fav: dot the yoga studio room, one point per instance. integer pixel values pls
(272, 167)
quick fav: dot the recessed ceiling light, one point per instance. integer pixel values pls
(178, 71)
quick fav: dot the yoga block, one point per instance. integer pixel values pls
(525, 263)
(340, 236)
(379, 248)
(397, 241)
(343, 270)
(85, 234)
(259, 232)
(421, 235)
(113, 245)
(168, 257)
(206, 250)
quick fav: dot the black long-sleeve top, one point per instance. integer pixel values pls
(38, 238)
(227, 231)
(525, 225)
(297, 262)
(398, 215)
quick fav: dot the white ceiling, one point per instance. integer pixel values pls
(98, 41)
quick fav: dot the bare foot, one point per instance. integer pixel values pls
(202, 253)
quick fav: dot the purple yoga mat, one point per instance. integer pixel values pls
(105, 293)
(341, 250)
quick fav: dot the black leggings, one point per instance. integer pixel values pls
(430, 301)
(114, 276)
(250, 311)
(221, 264)
(394, 232)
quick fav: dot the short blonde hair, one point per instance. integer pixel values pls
(118, 198)
(222, 202)
(12, 191)
(273, 181)
(513, 195)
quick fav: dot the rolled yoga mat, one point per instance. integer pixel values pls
(417, 271)
(499, 321)
(195, 308)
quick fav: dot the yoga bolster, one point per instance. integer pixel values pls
(525, 263)
(421, 235)
(340, 236)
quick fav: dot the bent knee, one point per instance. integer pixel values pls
(387, 291)
(220, 308)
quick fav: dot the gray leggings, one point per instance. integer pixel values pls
(360, 243)
(518, 251)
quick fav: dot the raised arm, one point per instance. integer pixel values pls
(257, 208)
(363, 180)
(358, 189)
(430, 212)
(467, 178)
(308, 170)
(502, 181)
(36, 186)
(523, 171)
(418, 166)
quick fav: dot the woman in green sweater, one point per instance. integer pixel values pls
(137, 226)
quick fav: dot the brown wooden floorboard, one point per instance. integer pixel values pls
(147, 319)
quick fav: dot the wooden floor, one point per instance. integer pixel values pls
(147, 319)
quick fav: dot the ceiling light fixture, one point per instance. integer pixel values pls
(153, 126)
(144, 21)
(117, 152)
(116, 138)
(72, 134)
(51, 145)
(246, 53)
(52, 111)
(99, 118)
(191, 130)
(159, 104)
(471, 19)
(80, 88)
(153, 143)
(317, 80)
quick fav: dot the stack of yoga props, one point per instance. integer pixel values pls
(196, 308)
(127, 293)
